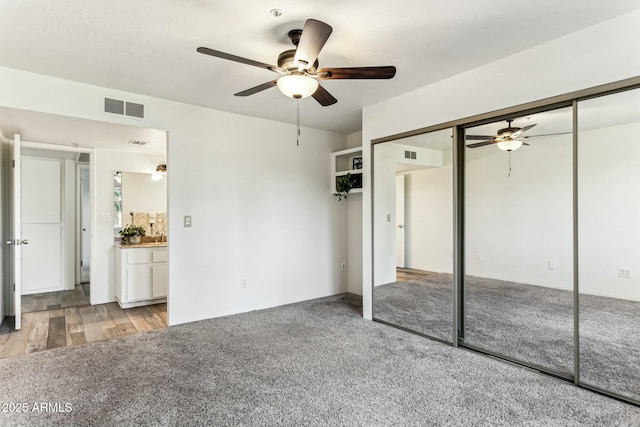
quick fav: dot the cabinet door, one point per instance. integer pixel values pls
(159, 279)
(138, 282)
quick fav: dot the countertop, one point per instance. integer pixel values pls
(143, 245)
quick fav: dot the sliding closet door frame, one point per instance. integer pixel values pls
(576, 279)
(458, 234)
(571, 99)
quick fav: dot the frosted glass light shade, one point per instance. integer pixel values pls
(297, 86)
(509, 144)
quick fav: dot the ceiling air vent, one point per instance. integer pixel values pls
(136, 142)
(410, 155)
(114, 106)
(135, 110)
(117, 106)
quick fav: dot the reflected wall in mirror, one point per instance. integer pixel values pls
(140, 199)
(413, 233)
(609, 256)
(518, 284)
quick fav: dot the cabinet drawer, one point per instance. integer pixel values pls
(160, 256)
(138, 256)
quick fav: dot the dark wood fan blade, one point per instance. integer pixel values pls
(481, 144)
(323, 97)
(258, 88)
(523, 130)
(314, 35)
(385, 72)
(228, 56)
(477, 137)
(524, 143)
(546, 134)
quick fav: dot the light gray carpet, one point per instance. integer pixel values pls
(311, 363)
(528, 323)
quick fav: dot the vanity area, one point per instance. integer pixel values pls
(141, 269)
(141, 274)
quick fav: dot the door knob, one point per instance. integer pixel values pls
(401, 226)
(17, 242)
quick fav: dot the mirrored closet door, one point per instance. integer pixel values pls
(518, 283)
(413, 233)
(609, 236)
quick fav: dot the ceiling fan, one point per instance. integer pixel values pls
(299, 67)
(508, 139)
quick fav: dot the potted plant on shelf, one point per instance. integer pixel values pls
(344, 184)
(132, 234)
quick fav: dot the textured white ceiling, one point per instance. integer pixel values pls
(149, 46)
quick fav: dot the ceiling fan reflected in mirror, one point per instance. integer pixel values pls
(507, 139)
(299, 67)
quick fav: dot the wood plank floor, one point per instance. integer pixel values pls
(406, 274)
(52, 300)
(44, 330)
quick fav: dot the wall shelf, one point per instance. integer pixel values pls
(342, 164)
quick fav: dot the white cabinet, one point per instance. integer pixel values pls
(141, 275)
(342, 163)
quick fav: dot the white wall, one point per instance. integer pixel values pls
(260, 206)
(4, 263)
(429, 219)
(354, 230)
(387, 156)
(608, 211)
(70, 224)
(577, 61)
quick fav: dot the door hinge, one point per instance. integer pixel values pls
(13, 163)
(14, 287)
(81, 264)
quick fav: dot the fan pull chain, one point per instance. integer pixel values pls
(298, 122)
(509, 163)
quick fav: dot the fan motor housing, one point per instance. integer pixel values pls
(285, 61)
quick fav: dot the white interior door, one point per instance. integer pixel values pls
(16, 241)
(42, 260)
(400, 225)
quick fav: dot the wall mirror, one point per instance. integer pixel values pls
(413, 233)
(140, 199)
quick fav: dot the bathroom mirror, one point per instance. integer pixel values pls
(140, 199)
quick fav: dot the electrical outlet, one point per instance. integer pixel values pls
(104, 218)
(551, 265)
(624, 273)
(388, 217)
(243, 283)
(187, 221)
(343, 266)
(479, 257)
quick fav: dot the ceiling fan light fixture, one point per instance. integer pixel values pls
(509, 144)
(297, 85)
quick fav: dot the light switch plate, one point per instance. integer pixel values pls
(104, 218)
(187, 220)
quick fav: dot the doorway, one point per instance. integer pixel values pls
(55, 196)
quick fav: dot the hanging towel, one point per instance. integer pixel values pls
(161, 223)
(141, 219)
